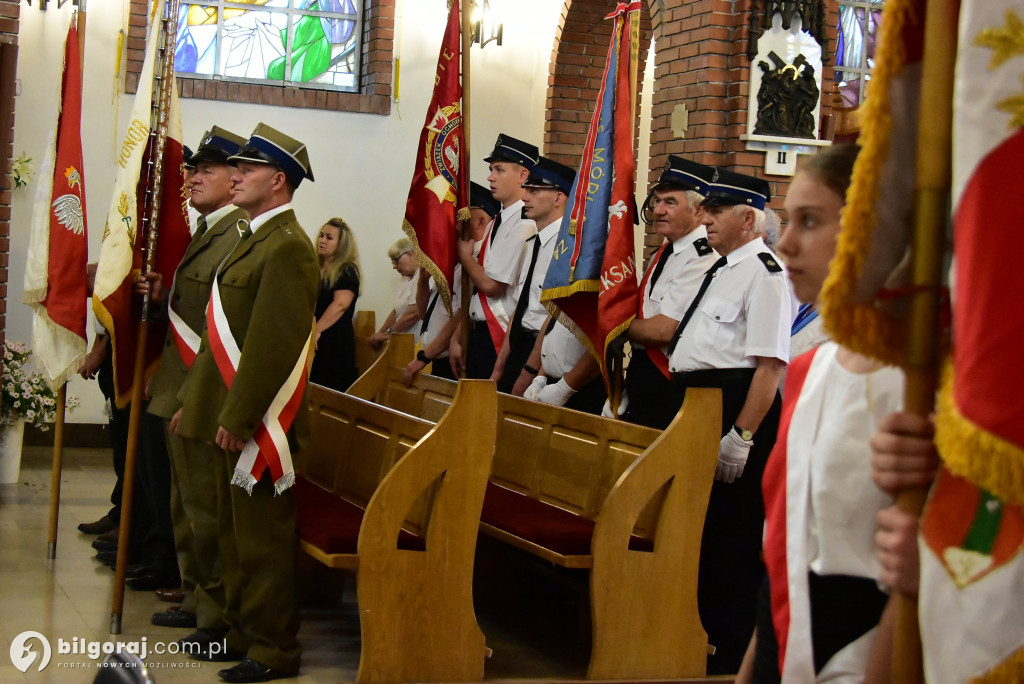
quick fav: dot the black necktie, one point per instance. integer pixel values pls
(494, 228)
(695, 303)
(430, 310)
(660, 266)
(515, 327)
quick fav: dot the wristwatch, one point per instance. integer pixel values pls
(745, 435)
(422, 356)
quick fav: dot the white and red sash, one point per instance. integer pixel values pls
(268, 447)
(776, 543)
(656, 355)
(185, 338)
(493, 324)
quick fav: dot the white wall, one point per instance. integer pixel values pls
(363, 162)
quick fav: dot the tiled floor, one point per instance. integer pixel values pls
(70, 597)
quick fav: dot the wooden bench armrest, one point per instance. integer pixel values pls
(398, 352)
(416, 607)
(653, 593)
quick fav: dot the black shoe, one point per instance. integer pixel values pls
(209, 645)
(102, 544)
(151, 581)
(107, 557)
(250, 671)
(104, 524)
(174, 618)
(138, 570)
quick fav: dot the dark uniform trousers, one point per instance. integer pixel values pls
(442, 368)
(654, 400)
(731, 568)
(519, 350)
(479, 353)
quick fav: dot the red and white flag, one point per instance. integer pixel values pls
(122, 253)
(440, 188)
(55, 279)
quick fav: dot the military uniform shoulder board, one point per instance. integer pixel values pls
(702, 246)
(770, 262)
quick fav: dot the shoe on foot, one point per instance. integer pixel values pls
(104, 524)
(174, 618)
(250, 671)
(171, 595)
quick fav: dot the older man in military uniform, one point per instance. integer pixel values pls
(667, 288)
(194, 481)
(494, 269)
(252, 357)
(735, 336)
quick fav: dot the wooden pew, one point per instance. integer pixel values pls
(398, 499)
(364, 325)
(581, 491)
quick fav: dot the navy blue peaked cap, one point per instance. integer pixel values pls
(216, 146)
(547, 173)
(686, 174)
(730, 188)
(481, 197)
(268, 145)
(507, 148)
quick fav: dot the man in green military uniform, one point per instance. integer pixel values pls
(194, 479)
(252, 361)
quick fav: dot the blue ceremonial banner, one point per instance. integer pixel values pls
(592, 278)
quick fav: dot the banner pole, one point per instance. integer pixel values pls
(55, 471)
(465, 9)
(931, 216)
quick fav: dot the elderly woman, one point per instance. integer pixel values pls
(820, 603)
(403, 317)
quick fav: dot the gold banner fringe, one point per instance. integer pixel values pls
(1010, 670)
(862, 327)
(569, 290)
(970, 451)
(430, 267)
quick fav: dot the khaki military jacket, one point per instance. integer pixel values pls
(268, 287)
(191, 294)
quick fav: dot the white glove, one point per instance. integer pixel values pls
(556, 394)
(732, 457)
(535, 387)
(623, 405)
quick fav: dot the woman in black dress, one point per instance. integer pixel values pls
(334, 364)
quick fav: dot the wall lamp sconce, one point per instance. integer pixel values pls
(487, 24)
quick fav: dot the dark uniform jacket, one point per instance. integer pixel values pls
(191, 295)
(268, 288)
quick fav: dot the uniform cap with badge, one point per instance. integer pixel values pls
(729, 188)
(679, 174)
(267, 145)
(481, 198)
(217, 146)
(550, 175)
(509, 149)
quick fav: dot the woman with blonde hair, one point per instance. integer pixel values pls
(334, 364)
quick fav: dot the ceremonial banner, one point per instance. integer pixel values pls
(122, 252)
(592, 278)
(439, 193)
(55, 271)
(860, 307)
(973, 530)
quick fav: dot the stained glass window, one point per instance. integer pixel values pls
(859, 21)
(286, 42)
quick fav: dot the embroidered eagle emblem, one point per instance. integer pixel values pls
(617, 210)
(74, 178)
(67, 209)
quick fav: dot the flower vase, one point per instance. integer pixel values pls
(11, 437)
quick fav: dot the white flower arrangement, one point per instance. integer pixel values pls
(21, 171)
(26, 395)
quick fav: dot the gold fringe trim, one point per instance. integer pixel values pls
(462, 214)
(862, 327)
(970, 451)
(427, 264)
(1010, 670)
(571, 289)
